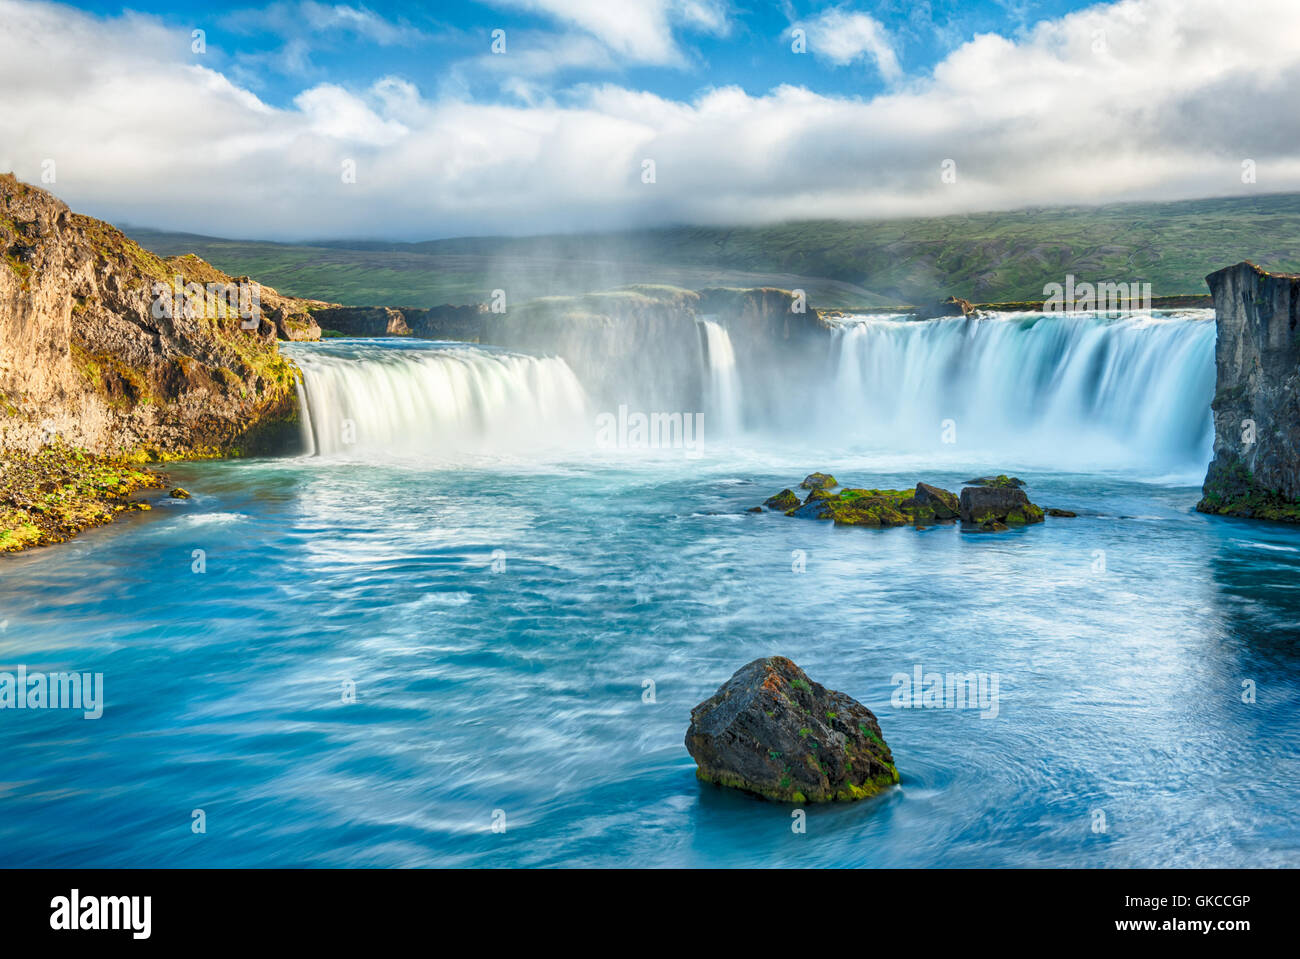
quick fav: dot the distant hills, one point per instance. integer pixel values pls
(984, 257)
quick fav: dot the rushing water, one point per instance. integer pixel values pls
(1133, 390)
(500, 592)
(724, 393)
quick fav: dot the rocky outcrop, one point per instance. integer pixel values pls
(772, 731)
(997, 507)
(940, 504)
(1001, 480)
(762, 315)
(852, 506)
(464, 323)
(818, 481)
(363, 321)
(98, 347)
(952, 306)
(1256, 467)
(782, 501)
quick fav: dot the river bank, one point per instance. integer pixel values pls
(53, 494)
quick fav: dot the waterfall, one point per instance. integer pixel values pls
(723, 411)
(388, 396)
(1065, 391)
(1076, 389)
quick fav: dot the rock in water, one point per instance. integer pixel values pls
(991, 507)
(818, 481)
(1256, 466)
(771, 730)
(931, 502)
(784, 500)
(179, 493)
(999, 480)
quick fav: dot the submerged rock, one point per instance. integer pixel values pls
(772, 731)
(987, 507)
(1061, 512)
(818, 481)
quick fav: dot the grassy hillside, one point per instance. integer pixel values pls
(982, 257)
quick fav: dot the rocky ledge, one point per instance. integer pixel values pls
(53, 494)
(994, 504)
(1256, 467)
(772, 731)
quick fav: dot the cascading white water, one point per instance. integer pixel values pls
(397, 397)
(1060, 390)
(1074, 389)
(725, 395)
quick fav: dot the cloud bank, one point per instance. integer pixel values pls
(1150, 99)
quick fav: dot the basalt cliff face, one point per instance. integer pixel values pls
(88, 356)
(1256, 466)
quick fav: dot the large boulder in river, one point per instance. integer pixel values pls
(991, 507)
(818, 481)
(771, 730)
(931, 502)
(784, 500)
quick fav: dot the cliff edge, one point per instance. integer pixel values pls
(1256, 467)
(102, 347)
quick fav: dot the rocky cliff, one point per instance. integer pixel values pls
(463, 323)
(1256, 466)
(103, 344)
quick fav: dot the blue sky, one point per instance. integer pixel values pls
(304, 119)
(273, 49)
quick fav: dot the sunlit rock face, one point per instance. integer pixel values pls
(97, 346)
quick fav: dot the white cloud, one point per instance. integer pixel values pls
(1174, 98)
(305, 17)
(843, 36)
(638, 30)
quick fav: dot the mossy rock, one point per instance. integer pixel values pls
(818, 481)
(772, 731)
(783, 501)
(1231, 490)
